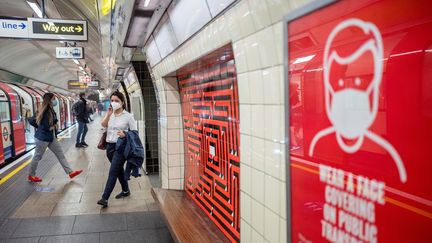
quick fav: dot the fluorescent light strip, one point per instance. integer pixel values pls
(146, 3)
(303, 59)
(76, 61)
(35, 8)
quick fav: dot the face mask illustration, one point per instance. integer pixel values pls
(350, 113)
(352, 110)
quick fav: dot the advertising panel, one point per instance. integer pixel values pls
(359, 110)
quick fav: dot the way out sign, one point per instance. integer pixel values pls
(57, 29)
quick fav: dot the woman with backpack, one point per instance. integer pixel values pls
(45, 137)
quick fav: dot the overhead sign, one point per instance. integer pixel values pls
(58, 29)
(13, 28)
(70, 52)
(359, 122)
(76, 84)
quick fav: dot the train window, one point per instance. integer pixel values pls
(4, 111)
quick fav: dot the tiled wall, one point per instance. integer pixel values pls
(255, 29)
(150, 116)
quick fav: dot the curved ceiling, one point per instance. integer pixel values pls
(36, 59)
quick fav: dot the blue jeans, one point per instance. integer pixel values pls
(82, 131)
(116, 171)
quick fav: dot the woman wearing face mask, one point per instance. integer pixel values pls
(117, 121)
(46, 126)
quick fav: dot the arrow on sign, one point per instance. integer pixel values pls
(78, 28)
(22, 25)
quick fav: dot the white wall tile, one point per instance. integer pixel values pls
(256, 237)
(258, 153)
(173, 97)
(257, 217)
(246, 207)
(283, 230)
(252, 53)
(272, 225)
(175, 184)
(174, 172)
(174, 159)
(258, 120)
(278, 39)
(272, 197)
(246, 179)
(260, 13)
(273, 123)
(246, 149)
(272, 85)
(283, 199)
(282, 175)
(256, 87)
(173, 135)
(239, 50)
(272, 159)
(266, 46)
(244, 24)
(243, 88)
(174, 147)
(246, 231)
(173, 109)
(258, 185)
(173, 122)
(278, 9)
(245, 119)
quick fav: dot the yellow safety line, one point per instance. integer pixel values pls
(8, 176)
(387, 199)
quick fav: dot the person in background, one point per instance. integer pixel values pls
(82, 118)
(45, 137)
(117, 121)
(100, 108)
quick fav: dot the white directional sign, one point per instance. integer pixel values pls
(70, 52)
(13, 28)
(57, 29)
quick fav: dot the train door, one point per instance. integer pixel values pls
(17, 132)
(37, 99)
(27, 111)
(5, 128)
(65, 109)
(68, 111)
(59, 111)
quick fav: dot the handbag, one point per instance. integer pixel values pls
(102, 142)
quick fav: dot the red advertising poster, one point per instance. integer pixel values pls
(360, 121)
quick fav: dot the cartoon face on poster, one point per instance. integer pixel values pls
(360, 122)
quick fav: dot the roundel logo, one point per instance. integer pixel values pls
(5, 134)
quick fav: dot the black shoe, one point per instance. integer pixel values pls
(78, 145)
(103, 202)
(122, 194)
(84, 144)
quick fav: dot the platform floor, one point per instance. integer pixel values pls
(62, 210)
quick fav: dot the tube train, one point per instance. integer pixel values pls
(17, 104)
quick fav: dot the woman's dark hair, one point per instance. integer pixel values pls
(120, 96)
(46, 106)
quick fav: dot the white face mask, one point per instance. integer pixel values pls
(350, 112)
(116, 105)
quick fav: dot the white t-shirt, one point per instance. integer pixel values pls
(123, 122)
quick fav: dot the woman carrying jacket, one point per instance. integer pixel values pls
(117, 120)
(46, 126)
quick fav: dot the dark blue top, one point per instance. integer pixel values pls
(43, 131)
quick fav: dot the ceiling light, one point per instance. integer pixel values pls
(146, 3)
(81, 68)
(76, 61)
(35, 8)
